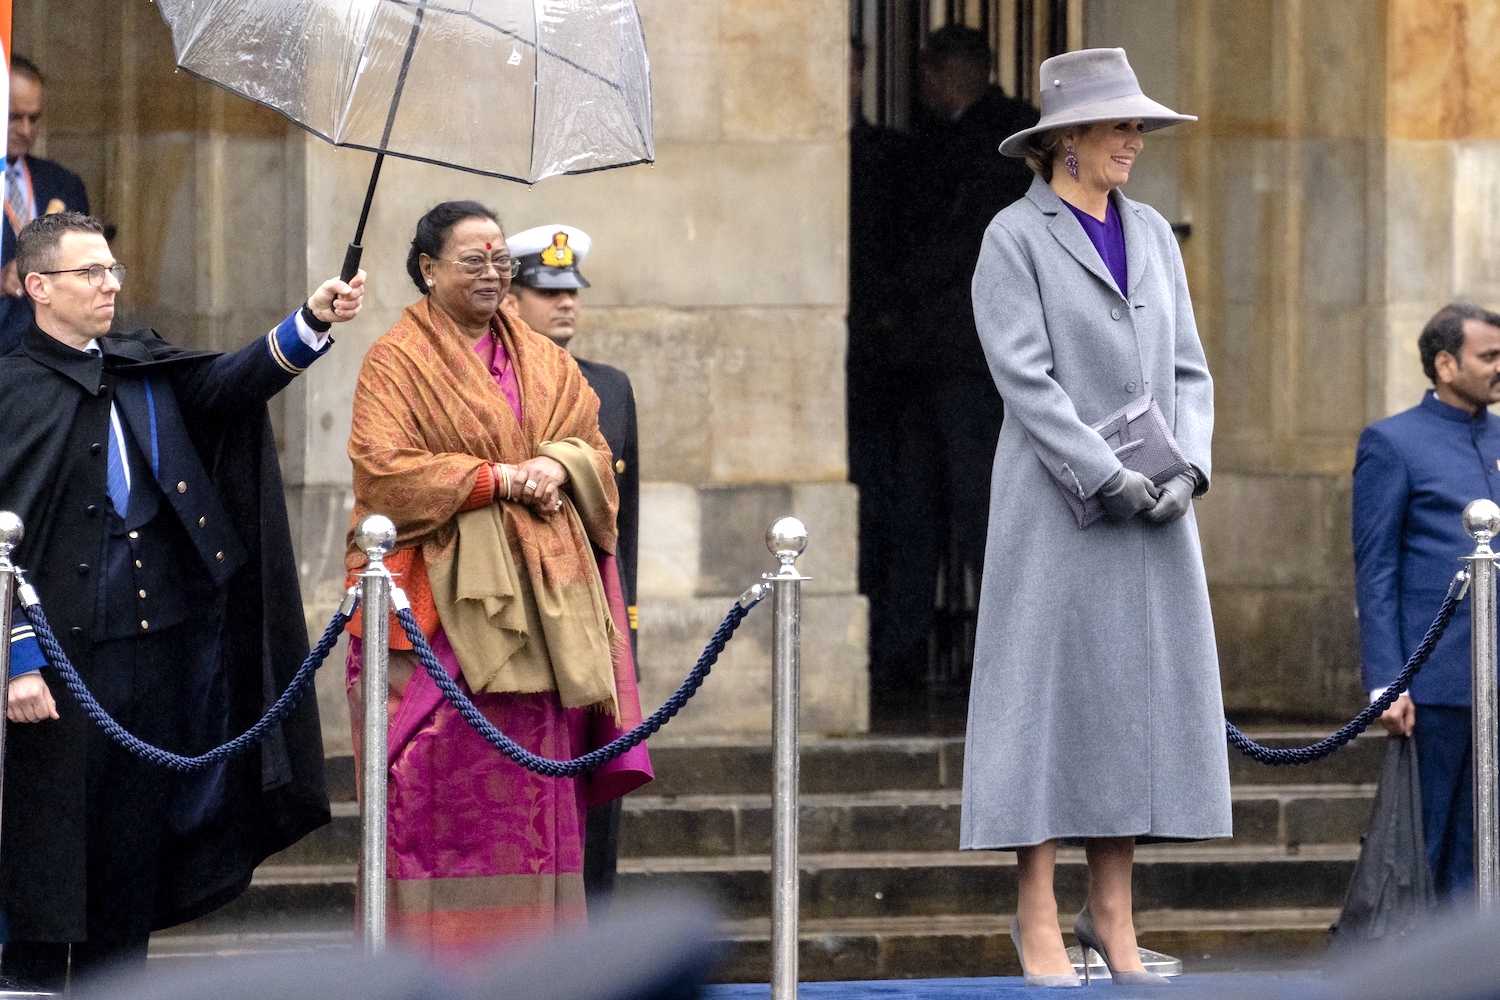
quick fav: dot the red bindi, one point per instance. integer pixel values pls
(486, 246)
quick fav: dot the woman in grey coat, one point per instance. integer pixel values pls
(1095, 711)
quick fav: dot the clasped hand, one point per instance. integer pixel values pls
(536, 482)
(1128, 493)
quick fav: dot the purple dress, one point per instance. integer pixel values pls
(1108, 238)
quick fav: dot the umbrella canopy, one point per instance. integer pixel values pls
(520, 89)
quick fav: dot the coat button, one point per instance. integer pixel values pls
(92, 510)
(1130, 387)
(76, 632)
(95, 448)
(142, 593)
(620, 465)
(202, 521)
(135, 534)
(144, 624)
(219, 556)
(1114, 314)
(137, 564)
(83, 569)
(182, 487)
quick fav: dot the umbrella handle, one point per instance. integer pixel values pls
(351, 262)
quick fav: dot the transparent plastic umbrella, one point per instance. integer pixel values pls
(519, 89)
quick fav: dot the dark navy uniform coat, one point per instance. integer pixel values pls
(222, 533)
(1413, 475)
(617, 424)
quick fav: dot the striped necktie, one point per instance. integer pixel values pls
(119, 486)
(16, 195)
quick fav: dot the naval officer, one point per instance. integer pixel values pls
(544, 294)
(157, 538)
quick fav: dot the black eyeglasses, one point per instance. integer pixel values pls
(476, 266)
(96, 273)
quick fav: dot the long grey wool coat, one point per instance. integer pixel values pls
(1095, 709)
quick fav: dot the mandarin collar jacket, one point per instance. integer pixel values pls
(1413, 475)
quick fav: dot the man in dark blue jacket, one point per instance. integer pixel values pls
(33, 187)
(1413, 475)
(157, 538)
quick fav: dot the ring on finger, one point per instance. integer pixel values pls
(531, 485)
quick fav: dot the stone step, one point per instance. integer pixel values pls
(849, 765)
(920, 820)
(928, 820)
(307, 898)
(866, 764)
(966, 945)
(978, 945)
(911, 884)
(336, 843)
(283, 899)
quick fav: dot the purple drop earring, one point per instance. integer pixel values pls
(1071, 162)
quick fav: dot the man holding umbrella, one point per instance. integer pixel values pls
(544, 294)
(157, 538)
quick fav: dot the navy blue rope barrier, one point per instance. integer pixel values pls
(1277, 757)
(294, 692)
(596, 758)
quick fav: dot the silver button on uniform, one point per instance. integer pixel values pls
(1114, 314)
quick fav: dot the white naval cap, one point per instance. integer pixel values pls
(548, 256)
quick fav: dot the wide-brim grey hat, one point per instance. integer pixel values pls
(1091, 85)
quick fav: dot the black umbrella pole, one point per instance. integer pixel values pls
(356, 249)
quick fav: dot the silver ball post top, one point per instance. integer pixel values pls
(787, 539)
(1482, 520)
(375, 537)
(11, 532)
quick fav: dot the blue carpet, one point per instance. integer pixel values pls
(1201, 986)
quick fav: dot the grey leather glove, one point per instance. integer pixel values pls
(1176, 497)
(1126, 494)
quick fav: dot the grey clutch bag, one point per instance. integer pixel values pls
(1142, 441)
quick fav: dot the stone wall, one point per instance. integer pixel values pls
(1341, 187)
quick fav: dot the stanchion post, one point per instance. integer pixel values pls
(376, 537)
(1482, 522)
(786, 539)
(11, 532)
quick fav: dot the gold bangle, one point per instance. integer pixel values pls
(506, 473)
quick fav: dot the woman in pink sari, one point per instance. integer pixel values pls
(480, 440)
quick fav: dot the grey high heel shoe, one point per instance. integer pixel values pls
(1059, 979)
(1088, 939)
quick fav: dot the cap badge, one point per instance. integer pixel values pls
(559, 254)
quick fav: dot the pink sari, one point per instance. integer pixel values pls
(479, 849)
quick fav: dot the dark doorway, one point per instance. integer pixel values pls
(922, 636)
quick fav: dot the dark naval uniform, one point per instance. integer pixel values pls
(184, 617)
(547, 257)
(617, 424)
